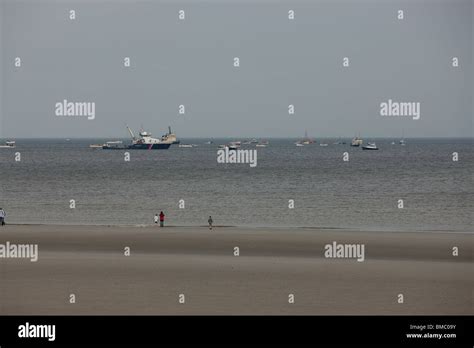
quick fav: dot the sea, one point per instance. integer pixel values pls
(416, 187)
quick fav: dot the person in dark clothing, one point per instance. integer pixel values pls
(210, 222)
(2, 217)
(162, 219)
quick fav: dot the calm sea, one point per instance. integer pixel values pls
(362, 193)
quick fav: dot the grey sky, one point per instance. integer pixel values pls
(283, 62)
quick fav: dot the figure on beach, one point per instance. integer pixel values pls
(2, 216)
(210, 222)
(156, 218)
(162, 219)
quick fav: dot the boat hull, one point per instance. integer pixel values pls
(161, 146)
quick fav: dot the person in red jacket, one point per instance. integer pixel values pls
(162, 219)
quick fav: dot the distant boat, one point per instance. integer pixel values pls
(370, 146)
(356, 142)
(209, 142)
(323, 144)
(299, 143)
(262, 144)
(393, 143)
(253, 141)
(169, 137)
(113, 145)
(9, 144)
(402, 140)
(144, 142)
(234, 145)
(96, 146)
(185, 145)
(306, 140)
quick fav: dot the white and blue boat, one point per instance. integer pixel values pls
(145, 141)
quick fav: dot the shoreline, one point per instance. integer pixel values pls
(324, 228)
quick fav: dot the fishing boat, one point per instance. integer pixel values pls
(402, 140)
(234, 145)
(145, 141)
(306, 140)
(370, 146)
(113, 145)
(170, 137)
(9, 144)
(356, 141)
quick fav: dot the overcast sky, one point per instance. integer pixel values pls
(282, 62)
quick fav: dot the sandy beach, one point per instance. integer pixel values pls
(89, 261)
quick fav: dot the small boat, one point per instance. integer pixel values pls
(96, 146)
(261, 145)
(356, 142)
(299, 144)
(169, 137)
(370, 146)
(254, 141)
(113, 145)
(402, 142)
(306, 140)
(10, 144)
(393, 143)
(209, 142)
(185, 145)
(323, 144)
(234, 145)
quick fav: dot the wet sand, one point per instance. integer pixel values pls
(89, 261)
